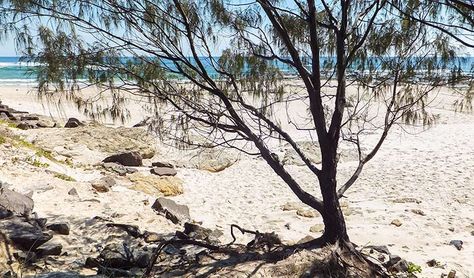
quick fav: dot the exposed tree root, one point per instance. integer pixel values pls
(267, 247)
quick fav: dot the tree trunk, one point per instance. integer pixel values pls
(334, 223)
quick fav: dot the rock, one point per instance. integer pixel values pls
(452, 274)
(49, 249)
(173, 211)
(72, 192)
(72, 123)
(162, 164)
(433, 263)
(291, 206)
(59, 228)
(317, 228)
(156, 186)
(400, 266)
(456, 243)
(163, 171)
(113, 272)
(396, 222)
(306, 213)
(85, 141)
(117, 168)
(24, 235)
(418, 211)
(198, 232)
(29, 118)
(305, 239)
(125, 159)
(25, 126)
(103, 184)
(213, 160)
(100, 187)
(151, 237)
(121, 256)
(311, 149)
(14, 202)
(27, 257)
(45, 124)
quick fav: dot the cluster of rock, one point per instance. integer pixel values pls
(24, 120)
(23, 235)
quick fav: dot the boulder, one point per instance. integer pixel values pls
(73, 192)
(25, 126)
(171, 210)
(29, 118)
(396, 222)
(125, 159)
(156, 186)
(317, 228)
(49, 249)
(27, 257)
(59, 228)
(72, 123)
(306, 213)
(163, 171)
(23, 234)
(14, 202)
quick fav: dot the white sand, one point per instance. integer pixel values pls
(435, 167)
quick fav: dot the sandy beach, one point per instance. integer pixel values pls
(420, 179)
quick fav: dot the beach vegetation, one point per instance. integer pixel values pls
(215, 72)
(64, 177)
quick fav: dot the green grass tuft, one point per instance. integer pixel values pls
(64, 177)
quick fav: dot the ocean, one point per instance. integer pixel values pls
(14, 72)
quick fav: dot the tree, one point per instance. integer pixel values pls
(395, 53)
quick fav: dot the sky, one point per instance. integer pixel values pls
(7, 48)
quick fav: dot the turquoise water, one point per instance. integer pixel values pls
(14, 72)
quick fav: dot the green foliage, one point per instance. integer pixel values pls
(37, 163)
(2, 140)
(8, 123)
(64, 177)
(413, 268)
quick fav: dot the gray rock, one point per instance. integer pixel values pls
(456, 243)
(26, 257)
(117, 168)
(29, 118)
(126, 159)
(163, 171)
(162, 164)
(14, 202)
(173, 211)
(198, 232)
(73, 192)
(24, 235)
(25, 126)
(72, 123)
(49, 249)
(59, 228)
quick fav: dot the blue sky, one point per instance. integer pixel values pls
(7, 48)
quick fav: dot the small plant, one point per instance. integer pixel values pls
(35, 162)
(2, 140)
(64, 177)
(414, 268)
(8, 123)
